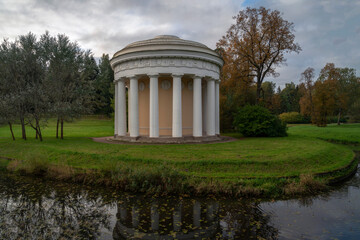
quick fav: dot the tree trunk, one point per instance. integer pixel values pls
(36, 134)
(23, 130)
(57, 128)
(311, 103)
(38, 130)
(339, 116)
(258, 93)
(11, 130)
(39, 133)
(62, 129)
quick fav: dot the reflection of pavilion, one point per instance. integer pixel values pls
(160, 220)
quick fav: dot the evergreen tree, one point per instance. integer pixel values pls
(104, 87)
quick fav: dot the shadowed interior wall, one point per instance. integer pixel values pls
(144, 107)
(165, 106)
(187, 106)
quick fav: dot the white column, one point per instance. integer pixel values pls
(121, 108)
(176, 116)
(116, 110)
(129, 110)
(217, 107)
(134, 107)
(154, 106)
(197, 108)
(204, 107)
(210, 118)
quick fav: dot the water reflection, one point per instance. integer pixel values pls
(35, 209)
(190, 219)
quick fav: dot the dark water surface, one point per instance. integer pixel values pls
(35, 209)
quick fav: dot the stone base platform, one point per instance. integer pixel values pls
(167, 139)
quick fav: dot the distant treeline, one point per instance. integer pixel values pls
(334, 96)
(51, 77)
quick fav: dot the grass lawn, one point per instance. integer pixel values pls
(246, 162)
(346, 133)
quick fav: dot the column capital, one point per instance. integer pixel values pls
(153, 75)
(175, 75)
(210, 79)
(122, 79)
(136, 77)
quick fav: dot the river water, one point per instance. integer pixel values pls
(32, 208)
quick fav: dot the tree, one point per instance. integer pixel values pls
(7, 116)
(35, 93)
(355, 111)
(13, 83)
(236, 89)
(346, 87)
(324, 101)
(259, 39)
(306, 101)
(103, 86)
(290, 97)
(348, 90)
(66, 78)
(268, 96)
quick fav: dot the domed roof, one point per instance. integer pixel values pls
(166, 39)
(165, 42)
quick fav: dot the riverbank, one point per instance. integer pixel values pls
(267, 167)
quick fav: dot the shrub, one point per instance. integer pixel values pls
(291, 117)
(354, 112)
(256, 121)
(334, 119)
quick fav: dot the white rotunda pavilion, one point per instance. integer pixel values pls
(173, 89)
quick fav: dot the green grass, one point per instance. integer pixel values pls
(244, 162)
(346, 133)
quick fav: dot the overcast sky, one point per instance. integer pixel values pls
(327, 30)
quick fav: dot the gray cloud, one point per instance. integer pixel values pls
(107, 26)
(327, 30)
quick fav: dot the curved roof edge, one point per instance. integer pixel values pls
(166, 42)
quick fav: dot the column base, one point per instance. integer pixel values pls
(169, 139)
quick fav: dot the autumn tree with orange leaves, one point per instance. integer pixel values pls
(307, 85)
(255, 45)
(324, 101)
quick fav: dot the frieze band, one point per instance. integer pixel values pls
(167, 62)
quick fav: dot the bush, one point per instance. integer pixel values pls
(354, 112)
(293, 117)
(334, 119)
(256, 121)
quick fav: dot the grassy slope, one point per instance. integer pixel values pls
(347, 133)
(245, 158)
